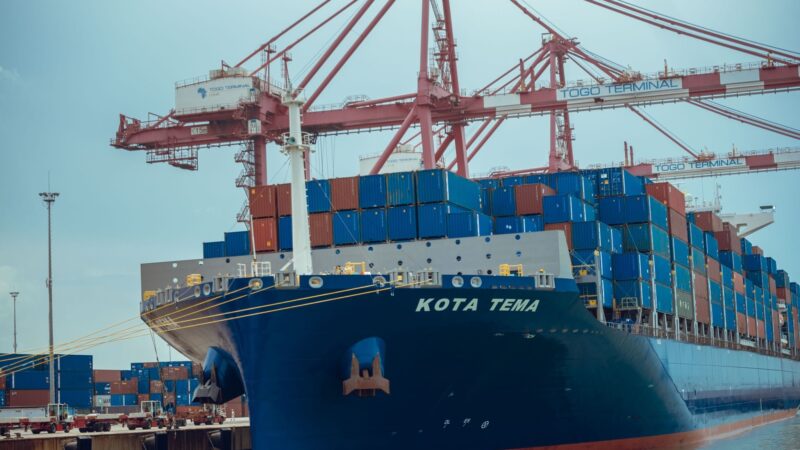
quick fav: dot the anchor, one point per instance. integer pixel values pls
(365, 384)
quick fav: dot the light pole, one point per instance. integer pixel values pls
(49, 198)
(14, 300)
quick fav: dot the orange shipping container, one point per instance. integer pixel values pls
(2, 383)
(344, 193)
(28, 398)
(708, 221)
(125, 387)
(107, 376)
(143, 397)
(728, 239)
(174, 373)
(196, 370)
(265, 234)
(150, 365)
(772, 289)
(283, 200)
(703, 313)
(262, 201)
(321, 227)
(751, 326)
(156, 387)
(783, 294)
(669, 195)
(762, 330)
(677, 225)
(713, 270)
(756, 250)
(741, 323)
(700, 286)
(529, 198)
(566, 227)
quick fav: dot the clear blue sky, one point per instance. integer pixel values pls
(67, 69)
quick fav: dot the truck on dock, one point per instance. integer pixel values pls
(209, 414)
(8, 424)
(150, 414)
(98, 422)
(56, 418)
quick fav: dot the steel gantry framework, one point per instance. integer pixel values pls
(440, 107)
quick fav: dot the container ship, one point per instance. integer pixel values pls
(421, 309)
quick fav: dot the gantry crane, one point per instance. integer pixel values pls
(235, 105)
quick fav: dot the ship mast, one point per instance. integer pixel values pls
(295, 145)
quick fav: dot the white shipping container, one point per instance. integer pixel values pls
(102, 400)
(214, 95)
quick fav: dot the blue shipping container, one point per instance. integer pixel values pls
(540, 178)
(432, 219)
(373, 225)
(123, 399)
(732, 260)
(698, 261)
(695, 236)
(214, 249)
(591, 236)
(664, 298)
(402, 222)
(645, 237)
(617, 243)
(680, 251)
(683, 278)
(662, 270)
(741, 303)
(75, 379)
(125, 375)
(30, 380)
(710, 245)
(574, 183)
(772, 266)
(76, 398)
(468, 224)
(512, 181)
(747, 247)
(504, 202)
(400, 189)
(612, 210)
(562, 208)
(346, 228)
(489, 183)
(617, 181)
(237, 243)
(372, 191)
(440, 185)
(518, 224)
(728, 298)
(588, 291)
(486, 201)
(715, 292)
(717, 318)
(730, 319)
(102, 388)
(754, 263)
(143, 386)
(318, 194)
(74, 362)
(646, 209)
(782, 279)
(727, 276)
(589, 212)
(624, 291)
(285, 233)
(587, 258)
(631, 266)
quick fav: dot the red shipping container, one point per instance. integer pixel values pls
(738, 283)
(751, 326)
(783, 294)
(150, 365)
(762, 330)
(756, 250)
(677, 225)
(174, 373)
(529, 198)
(713, 270)
(741, 323)
(669, 195)
(728, 239)
(156, 387)
(2, 383)
(106, 376)
(708, 221)
(344, 193)
(196, 370)
(265, 234)
(702, 313)
(321, 226)
(772, 288)
(143, 397)
(26, 398)
(125, 387)
(262, 201)
(700, 286)
(566, 227)
(283, 199)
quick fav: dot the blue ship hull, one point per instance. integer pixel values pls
(485, 372)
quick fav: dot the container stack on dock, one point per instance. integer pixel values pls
(28, 381)
(634, 247)
(171, 382)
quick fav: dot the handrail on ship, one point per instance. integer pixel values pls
(661, 333)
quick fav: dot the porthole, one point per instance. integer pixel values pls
(476, 282)
(282, 256)
(458, 241)
(487, 239)
(489, 272)
(206, 290)
(427, 244)
(197, 291)
(399, 246)
(371, 265)
(256, 284)
(338, 251)
(458, 282)
(459, 273)
(517, 237)
(519, 253)
(458, 258)
(369, 249)
(315, 282)
(227, 260)
(488, 256)
(379, 281)
(429, 260)
(400, 263)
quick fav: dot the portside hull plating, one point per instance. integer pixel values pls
(482, 377)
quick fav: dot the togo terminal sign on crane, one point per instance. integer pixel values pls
(236, 105)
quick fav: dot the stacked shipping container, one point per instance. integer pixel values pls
(171, 382)
(28, 381)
